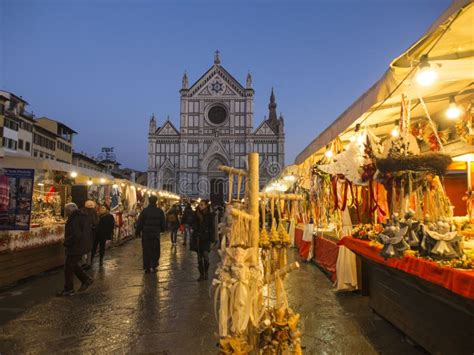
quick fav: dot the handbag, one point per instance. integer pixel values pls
(194, 243)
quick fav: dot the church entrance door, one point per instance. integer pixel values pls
(216, 181)
(217, 191)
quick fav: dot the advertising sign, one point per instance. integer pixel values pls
(16, 195)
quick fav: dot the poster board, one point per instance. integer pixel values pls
(16, 195)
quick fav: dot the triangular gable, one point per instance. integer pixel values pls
(264, 130)
(168, 129)
(223, 74)
(167, 164)
(216, 147)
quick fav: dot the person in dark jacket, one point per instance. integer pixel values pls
(172, 217)
(77, 241)
(187, 221)
(103, 233)
(90, 210)
(150, 224)
(203, 231)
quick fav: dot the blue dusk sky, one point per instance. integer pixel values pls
(103, 67)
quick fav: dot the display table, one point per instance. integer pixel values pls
(458, 281)
(303, 247)
(326, 252)
(432, 305)
(27, 253)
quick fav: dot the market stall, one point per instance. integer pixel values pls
(33, 194)
(390, 189)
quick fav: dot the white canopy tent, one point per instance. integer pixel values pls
(449, 45)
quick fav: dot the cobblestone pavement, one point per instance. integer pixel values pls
(128, 312)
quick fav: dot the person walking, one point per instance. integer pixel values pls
(187, 221)
(172, 217)
(90, 210)
(150, 224)
(203, 235)
(77, 242)
(104, 232)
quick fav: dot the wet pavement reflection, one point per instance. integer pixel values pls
(128, 312)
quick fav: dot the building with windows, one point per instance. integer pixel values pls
(64, 136)
(16, 125)
(44, 143)
(216, 128)
(83, 160)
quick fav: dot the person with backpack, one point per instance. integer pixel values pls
(77, 242)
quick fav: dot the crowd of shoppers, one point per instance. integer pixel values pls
(89, 228)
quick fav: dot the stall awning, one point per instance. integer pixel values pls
(449, 43)
(47, 164)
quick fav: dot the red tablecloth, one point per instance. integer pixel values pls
(303, 246)
(455, 280)
(325, 255)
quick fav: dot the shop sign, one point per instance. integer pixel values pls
(16, 195)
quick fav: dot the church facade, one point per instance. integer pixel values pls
(216, 128)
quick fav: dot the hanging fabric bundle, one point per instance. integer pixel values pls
(239, 186)
(240, 230)
(292, 230)
(231, 185)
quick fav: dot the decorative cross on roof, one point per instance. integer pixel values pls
(217, 59)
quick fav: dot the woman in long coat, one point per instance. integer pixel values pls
(150, 224)
(104, 232)
(204, 236)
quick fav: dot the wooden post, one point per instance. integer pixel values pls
(253, 198)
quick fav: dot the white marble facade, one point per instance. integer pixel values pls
(216, 127)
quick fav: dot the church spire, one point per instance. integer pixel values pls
(272, 115)
(185, 82)
(152, 124)
(217, 58)
(249, 81)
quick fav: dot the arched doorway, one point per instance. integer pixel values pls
(216, 181)
(168, 180)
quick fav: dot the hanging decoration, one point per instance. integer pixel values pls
(465, 125)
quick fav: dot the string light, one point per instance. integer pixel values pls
(425, 75)
(453, 110)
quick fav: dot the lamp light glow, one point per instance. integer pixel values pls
(396, 130)
(329, 154)
(102, 180)
(40, 184)
(426, 75)
(73, 174)
(89, 182)
(453, 112)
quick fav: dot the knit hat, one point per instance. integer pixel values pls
(89, 204)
